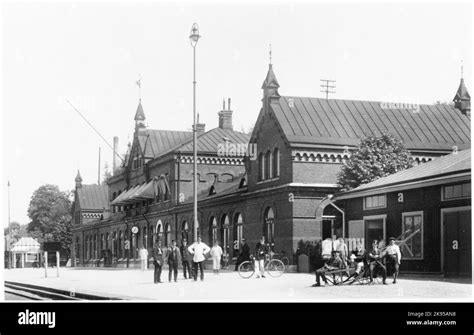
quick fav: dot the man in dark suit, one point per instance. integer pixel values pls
(244, 254)
(187, 259)
(157, 261)
(173, 257)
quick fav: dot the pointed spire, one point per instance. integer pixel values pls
(139, 115)
(270, 80)
(78, 180)
(462, 99)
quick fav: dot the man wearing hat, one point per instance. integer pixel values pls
(394, 257)
(244, 254)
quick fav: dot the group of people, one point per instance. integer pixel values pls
(194, 255)
(371, 260)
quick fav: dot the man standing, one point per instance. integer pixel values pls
(173, 257)
(198, 249)
(157, 261)
(144, 258)
(187, 258)
(260, 254)
(244, 254)
(394, 257)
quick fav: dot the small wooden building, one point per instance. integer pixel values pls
(427, 208)
(25, 253)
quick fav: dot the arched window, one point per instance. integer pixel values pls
(276, 163)
(96, 242)
(261, 167)
(119, 208)
(86, 247)
(238, 233)
(167, 234)
(102, 244)
(184, 231)
(268, 166)
(159, 230)
(107, 241)
(212, 230)
(269, 227)
(225, 229)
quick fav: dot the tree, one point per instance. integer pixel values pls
(50, 214)
(374, 158)
(14, 233)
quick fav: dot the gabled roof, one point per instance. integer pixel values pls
(156, 142)
(93, 197)
(452, 164)
(209, 141)
(344, 122)
(26, 244)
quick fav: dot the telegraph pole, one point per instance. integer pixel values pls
(326, 87)
(9, 229)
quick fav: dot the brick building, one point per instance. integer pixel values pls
(296, 148)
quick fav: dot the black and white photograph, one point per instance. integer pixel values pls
(263, 152)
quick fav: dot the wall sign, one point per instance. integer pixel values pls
(400, 197)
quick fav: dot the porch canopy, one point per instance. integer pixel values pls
(26, 245)
(157, 187)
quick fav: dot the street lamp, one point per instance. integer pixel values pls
(194, 37)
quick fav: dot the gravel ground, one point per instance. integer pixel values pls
(134, 284)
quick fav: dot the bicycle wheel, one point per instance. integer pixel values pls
(246, 270)
(275, 268)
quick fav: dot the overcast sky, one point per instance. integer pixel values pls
(93, 54)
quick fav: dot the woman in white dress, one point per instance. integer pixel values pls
(216, 254)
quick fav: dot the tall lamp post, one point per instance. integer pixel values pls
(194, 37)
(9, 230)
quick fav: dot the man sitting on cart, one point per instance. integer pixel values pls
(375, 262)
(334, 263)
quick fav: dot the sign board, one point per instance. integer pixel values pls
(135, 230)
(51, 246)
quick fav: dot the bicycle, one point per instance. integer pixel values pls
(281, 256)
(273, 266)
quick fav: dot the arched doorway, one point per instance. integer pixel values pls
(159, 230)
(167, 234)
(237, 233)
(225, 230)
(184, 231)
(269, 227)
(212, 230)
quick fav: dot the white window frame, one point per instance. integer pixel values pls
(375, 195)
(421, 213)
(453, 199)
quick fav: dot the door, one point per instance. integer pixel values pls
(374, 230)
(457, 243)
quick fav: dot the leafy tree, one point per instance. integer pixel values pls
(14, 233)
(374, 158)
(50, 214)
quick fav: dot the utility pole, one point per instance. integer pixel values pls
(9, 230)
(326, 87)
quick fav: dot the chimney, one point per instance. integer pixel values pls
(115, 158)
(200, 127)
(225, 117)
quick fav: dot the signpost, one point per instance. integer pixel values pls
(51, 247)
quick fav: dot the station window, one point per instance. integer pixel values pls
(459, 191)
(375, 201)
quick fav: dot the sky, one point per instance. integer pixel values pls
(93, 54)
